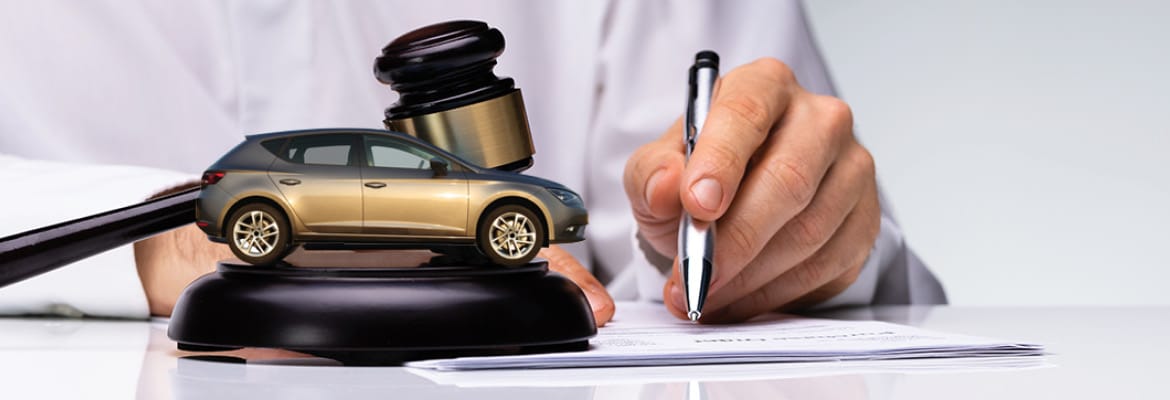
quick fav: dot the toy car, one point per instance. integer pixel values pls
(357, 187)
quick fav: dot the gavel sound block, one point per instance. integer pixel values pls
(384, 313)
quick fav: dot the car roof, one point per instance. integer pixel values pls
(284, 134)
(361, 131)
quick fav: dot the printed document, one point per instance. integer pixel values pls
(645, 335)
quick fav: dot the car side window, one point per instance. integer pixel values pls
(321, 150)
(391, 153)
(273, 146)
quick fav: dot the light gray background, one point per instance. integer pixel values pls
(1024, 144)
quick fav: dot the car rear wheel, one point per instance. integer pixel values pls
(511, 235)
(258, 234)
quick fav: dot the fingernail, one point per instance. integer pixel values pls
(708, 192)
(650, 185)
(676, 297)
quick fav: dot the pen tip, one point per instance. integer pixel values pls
(694, 315)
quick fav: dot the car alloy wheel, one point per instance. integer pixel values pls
(259, 234)
(511, 236)
(255, 233)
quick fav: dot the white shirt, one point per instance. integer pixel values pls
(173, 85)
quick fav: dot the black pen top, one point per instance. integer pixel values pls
(707, 58)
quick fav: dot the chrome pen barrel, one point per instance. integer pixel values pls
(696, 241)
(698, 104)
(704, 88)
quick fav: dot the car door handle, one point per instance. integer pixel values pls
(375, 185)
(290, 182)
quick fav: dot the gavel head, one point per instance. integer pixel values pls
(449, 96)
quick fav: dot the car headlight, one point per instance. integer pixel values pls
(567, 197)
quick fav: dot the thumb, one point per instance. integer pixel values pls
(564, 263)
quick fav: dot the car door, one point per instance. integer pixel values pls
(404, 197)
(320, 179)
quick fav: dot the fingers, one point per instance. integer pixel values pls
(787, 177)
(747, 104)
(651, 181)
(844, 186)
(672, 295)
(827, 273)
(600, 301)
(779, 169)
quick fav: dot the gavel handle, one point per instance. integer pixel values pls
(28, 254)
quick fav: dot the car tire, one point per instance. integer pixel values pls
(510, 235)
(259, 234)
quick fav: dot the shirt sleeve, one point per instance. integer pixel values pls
(41, 193)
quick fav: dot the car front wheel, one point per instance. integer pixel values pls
(258, 234)
(511, 235)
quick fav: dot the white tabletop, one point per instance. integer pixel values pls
(1097, 352)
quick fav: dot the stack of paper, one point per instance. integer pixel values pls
(644, 335)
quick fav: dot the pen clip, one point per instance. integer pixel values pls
(689, 120)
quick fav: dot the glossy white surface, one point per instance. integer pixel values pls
(1096, 353)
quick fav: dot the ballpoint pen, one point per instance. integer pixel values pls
(696, 239)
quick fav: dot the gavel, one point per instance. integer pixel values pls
(449, 97)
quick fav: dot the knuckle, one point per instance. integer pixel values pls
(751, 111)
(769, 298)
(838, 115)
(632, 175)
(775, 69)
(722, 156)
(736, 286)
(836, 108)
(638, 159)
(865, 160)
(741, 239)
(646, 160)
(872, 224)
(845, 280)
(811, 275)
(809, 231)
(631, 168)
(791, 181)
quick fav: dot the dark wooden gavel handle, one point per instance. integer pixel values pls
(28, 254)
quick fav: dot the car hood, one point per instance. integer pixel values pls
(493, 174)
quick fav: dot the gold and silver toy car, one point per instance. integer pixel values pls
(354, 188)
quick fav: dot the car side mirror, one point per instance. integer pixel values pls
(439, 166)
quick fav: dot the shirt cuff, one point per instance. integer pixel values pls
(645, 275)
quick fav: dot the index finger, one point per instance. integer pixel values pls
(748, 102)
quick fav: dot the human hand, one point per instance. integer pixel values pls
(561, 261)
(793, 193)
(168, 262)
